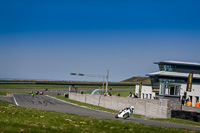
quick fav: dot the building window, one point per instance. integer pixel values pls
(178, 68)
(150, 96)
(170, 89)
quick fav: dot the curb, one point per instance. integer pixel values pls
(15, 100)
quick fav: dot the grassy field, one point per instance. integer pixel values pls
(44, 86)
(3, 93)
(123, 93)
(19, 119)
(32, 86)
(84, 83)
(123, 90)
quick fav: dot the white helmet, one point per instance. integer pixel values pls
(132, 107)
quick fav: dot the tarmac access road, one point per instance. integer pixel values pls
(47, 103)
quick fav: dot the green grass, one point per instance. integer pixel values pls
(3, 93)
(32, 86)
(170, 120)
(138, 80)
(40, 86)
(122, 93)
(179, 121)
(84, 83)
(114, 92)
(19, 119)
(123, 90)
(44, 86)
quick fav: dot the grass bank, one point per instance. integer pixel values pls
(19, 119)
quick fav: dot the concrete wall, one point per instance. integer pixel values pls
(148, 107)
(192, 109)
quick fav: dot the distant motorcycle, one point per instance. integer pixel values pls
(37, 92)
(125, 113)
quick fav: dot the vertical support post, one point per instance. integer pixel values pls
(103, 84)
(107, 80)
(140, 91)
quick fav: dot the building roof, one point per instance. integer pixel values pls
(173, 74)
(178, 63)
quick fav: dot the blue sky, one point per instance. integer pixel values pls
(50, 39)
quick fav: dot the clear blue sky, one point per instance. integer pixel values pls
(49, 39)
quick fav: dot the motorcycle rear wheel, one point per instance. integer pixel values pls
(125, 115)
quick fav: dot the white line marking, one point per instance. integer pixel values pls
(15, 100)
(62, 100)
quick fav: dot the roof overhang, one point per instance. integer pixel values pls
(173, 74)
(178, 63)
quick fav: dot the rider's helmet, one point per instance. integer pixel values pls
(132, 107)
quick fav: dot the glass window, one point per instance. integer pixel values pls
(179, 68)
(165, 68)
(170, 89)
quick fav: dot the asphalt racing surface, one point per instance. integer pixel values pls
(47, 103)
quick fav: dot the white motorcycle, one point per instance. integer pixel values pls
(125, 113)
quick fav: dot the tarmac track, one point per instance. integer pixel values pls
(48, 103)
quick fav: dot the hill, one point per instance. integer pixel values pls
(138, 80)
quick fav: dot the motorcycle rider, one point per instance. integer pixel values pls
(131, 108)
